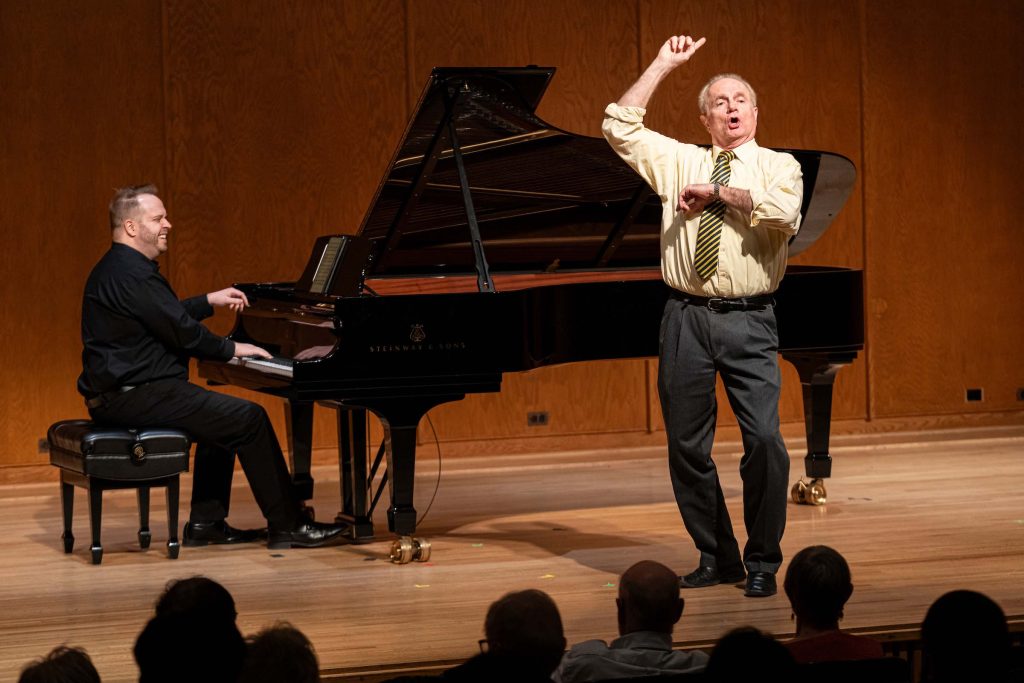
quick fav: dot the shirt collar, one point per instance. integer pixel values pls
(644, 640)
(128, 252)
(745, 152)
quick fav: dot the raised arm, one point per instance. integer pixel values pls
(675, 51)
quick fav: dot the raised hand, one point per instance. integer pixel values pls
(234, 299)
(675, 51)
(678, 49)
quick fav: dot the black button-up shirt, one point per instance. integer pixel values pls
(134, 328)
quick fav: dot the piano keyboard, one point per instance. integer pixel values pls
(282, 367)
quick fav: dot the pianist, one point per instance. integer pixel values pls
(728, 212)
(138, 339)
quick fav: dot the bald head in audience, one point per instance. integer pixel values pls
(648, 599)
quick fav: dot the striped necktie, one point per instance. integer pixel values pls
(709, 234)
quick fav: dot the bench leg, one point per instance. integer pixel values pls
(144, 535)
(173, 547)
(95, 518)
(67, 506)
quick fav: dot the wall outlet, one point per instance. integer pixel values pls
(973, 395)
(537, 419)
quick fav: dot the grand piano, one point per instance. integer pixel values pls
(498, 243)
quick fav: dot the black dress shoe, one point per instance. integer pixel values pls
(760, 585)
(218, 533)
(704, 576)
(307, 534)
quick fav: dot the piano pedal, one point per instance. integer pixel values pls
(809, 493)
(407, 549)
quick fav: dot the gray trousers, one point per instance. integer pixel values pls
(697, 343)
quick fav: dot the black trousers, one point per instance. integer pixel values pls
(221, 426)
(696, 344)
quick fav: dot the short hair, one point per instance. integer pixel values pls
(62, 665)
(126, 202)
(703, 101)
(964, 636)
(196, 595)
(280, 654)
(818, 585)
(527, 627)
(746, 653)
(649, 593)
(215, 650)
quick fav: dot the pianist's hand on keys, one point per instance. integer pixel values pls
(243, 350)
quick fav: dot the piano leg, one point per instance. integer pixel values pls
(299, 423)
(817, 375)
(400, 417)
(354, 481)
(400, 444)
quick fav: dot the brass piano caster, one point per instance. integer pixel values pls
(809, 493)
(407, 549)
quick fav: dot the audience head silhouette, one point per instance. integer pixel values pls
(194, 616)
(964, 637)
(525, 627)
(748, 654)
(61, 665)
(197, 595)
(648, 599)
(280, 654)
(818, 585)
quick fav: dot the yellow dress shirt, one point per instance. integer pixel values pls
(753, 249)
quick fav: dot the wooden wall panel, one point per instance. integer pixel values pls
(281, 120)
(81, 112)
(266, 124)
(593, 46)
(942, 137)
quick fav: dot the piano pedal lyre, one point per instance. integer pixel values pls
(809, 493)
(408, 548)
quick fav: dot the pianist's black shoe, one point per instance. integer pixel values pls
(218, 533)
(704, 576)
(306, 534)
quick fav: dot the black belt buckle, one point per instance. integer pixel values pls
(720, 305)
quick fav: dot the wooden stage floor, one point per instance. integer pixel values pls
(916, 515)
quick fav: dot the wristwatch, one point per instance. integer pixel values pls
(715, 194)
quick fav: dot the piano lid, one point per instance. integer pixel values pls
(545, 199)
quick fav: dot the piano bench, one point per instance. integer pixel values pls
(99, 458)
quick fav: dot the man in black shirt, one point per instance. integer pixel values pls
(137, 340)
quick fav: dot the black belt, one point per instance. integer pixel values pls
(106, 397)
(720, 304)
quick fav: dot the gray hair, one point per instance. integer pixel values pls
(126, 202)
(702, 99)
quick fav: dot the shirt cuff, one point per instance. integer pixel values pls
(228, 347)
(625, 114)
(199, 307)
(756, 197)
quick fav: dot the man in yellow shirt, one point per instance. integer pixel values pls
(728, 212)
